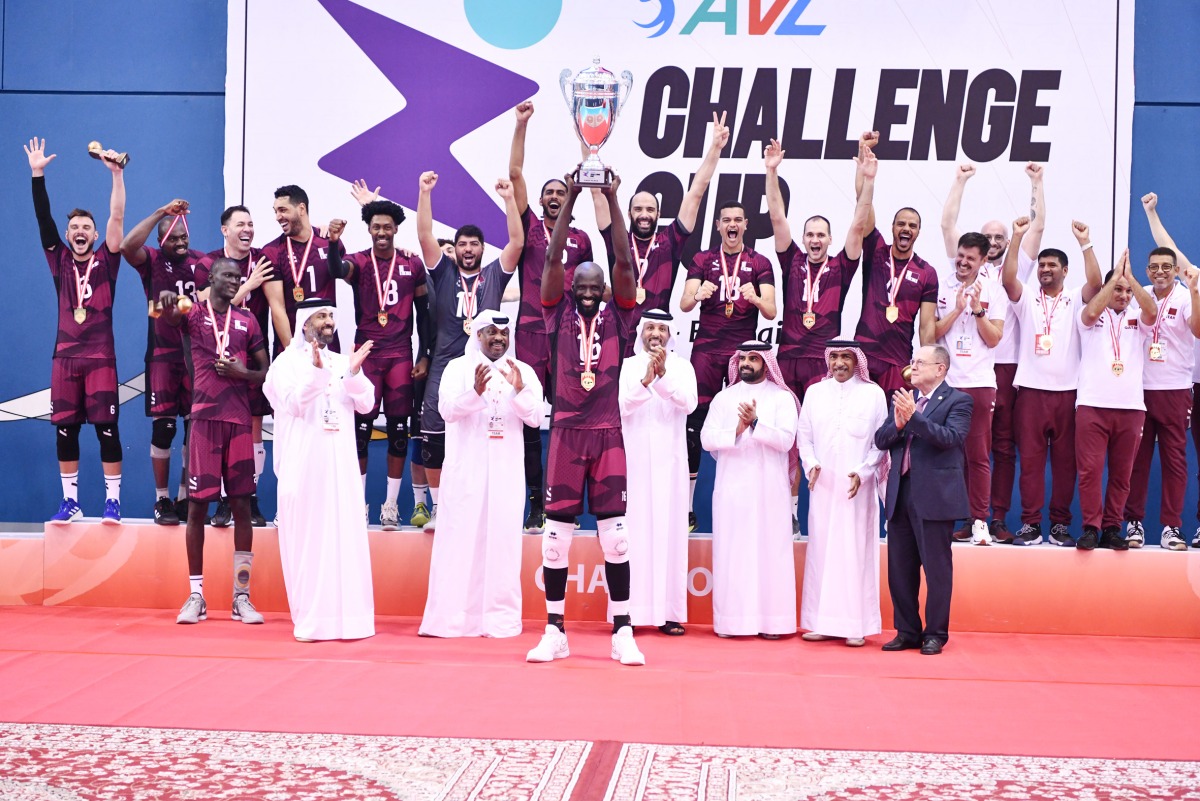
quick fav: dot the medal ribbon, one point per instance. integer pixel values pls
(1162, 305)
(81, 284)
(1048, 313)
(222, 337)
(176, 221)
(468, 294)
(588, 332)
(245, 275)
(726, 279)
(642, 261)
(1114, 333)
(303, 262)
(379, 286)
(895, 290)
(812, 286)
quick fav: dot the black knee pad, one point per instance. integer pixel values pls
(110, 442)
(397, 434)
(433, 452)
(68, 443)
(362, 433)
(162, 432)
(695, 422)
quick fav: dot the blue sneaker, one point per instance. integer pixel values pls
(112, 513)
(68, 512)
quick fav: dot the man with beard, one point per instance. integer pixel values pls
(836, 438)
(533, 341)
(301, 264)
(1004, 438)
(898, 287)
(1110, 409)
(657, 393)
(83, 373)
(168, 393)
(1048, 375)
(237, 229)
(971, 313)
(732, 284)
(475, 569)
(463, 287)
(751, 428)
(656, 253)
(586, 448)
(388, 286)
(221, 341)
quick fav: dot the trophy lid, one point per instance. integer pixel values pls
(595, 77)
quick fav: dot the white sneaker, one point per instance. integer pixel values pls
(1172, 540)
(367, 513)
(980, 534)
(244, 611)
(624, 649)
(1135, 535)
(553, 645)
(194, 609)
(431, 526)
(389, 516)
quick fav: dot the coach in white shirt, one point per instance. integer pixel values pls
(971, 311)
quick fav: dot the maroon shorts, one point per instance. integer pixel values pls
(594, 457)
(712, 371)
(259, 405)
(801, 373)
(168, 389)
(219, 450)
(392, 377)
(534, 350)
(83, 391)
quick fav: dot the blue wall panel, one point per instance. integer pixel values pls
(1166, 59)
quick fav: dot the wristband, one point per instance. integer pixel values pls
(1086, 247)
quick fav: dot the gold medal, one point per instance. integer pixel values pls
(80, 315)
(467, 326)
(810, 319)
(298, 294)
(1045, 342)
(729, 309)
(892, 313)
(383, 318)
(1118, 367)
(641, 295)
(1157, 352)
(588, 380)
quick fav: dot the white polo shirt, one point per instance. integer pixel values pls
(972, 361)
(1007, 351)
(1112, 338)
(1058, 368)
(1177, 352)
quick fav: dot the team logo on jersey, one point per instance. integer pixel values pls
(240, 326)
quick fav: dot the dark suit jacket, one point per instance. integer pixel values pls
(937, 473)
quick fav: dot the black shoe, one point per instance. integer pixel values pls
(164, 513)
(1000, 533)
(1111, 538)
(181, 509)
(931, 647)
(256, 517)
(223, 516)
(691, 522)
(1029, 534)
(536, 520)
(900, 644)
(1088, 541)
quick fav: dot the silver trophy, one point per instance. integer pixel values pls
(595, 97)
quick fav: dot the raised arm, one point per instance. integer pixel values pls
(690, 206)
(772, 158)
(866, 166)
(554, 273)
(430, 251)
(867, 141)
(1099, 302)
(950, 232)
(114, 231)
(516, 158)
(624, 279)
(516, 231)
(1159, 231)
(36, 151)
(1037, 210)
(1092, 277)
(131, 245)
(338, 266)
(1012, 284)
(1144, 301)
(273, 292)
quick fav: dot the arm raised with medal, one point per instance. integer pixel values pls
(624, 278)
(132, 244)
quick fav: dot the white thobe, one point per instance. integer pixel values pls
(754, 570)
(654, 425)
(322, 534)
(836, 432)
(475, 569)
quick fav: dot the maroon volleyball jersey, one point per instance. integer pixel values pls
(610, 330)
(882, 339)
(533, 262)
(369, 279)
(215, 397)
(718, 332)
(92, 338)
(164, 343)
(826, 287)
(654, 261)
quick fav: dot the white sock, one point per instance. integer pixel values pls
(70, 485)
(433, 493)
(112, 487)
(419, 493)
(393, 489)
(223, 495)
(556, 607)
(160, 493)
(692, 495)
(183, 493)
(260, 460)
(197, 583)
(363, 476)
(795, 505)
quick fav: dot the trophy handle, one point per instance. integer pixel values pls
(627, 87)
(564, 80)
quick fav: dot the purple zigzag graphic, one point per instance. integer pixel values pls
(450, 93)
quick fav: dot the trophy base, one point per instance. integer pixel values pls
(593, 177)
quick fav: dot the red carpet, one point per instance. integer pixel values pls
(988, 693)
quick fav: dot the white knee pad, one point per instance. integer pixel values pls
(614, 539)
(556, 543)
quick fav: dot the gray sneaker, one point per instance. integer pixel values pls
(194, 609)
(389, 516)
(244, 611)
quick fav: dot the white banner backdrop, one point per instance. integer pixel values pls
(321, 92)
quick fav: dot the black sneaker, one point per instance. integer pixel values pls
(1000, 533)
(223, 516)
(1029, 534)
(535, 521)
(1111, 538)
(181, 509)
(256, 517)
(692, 522)
(1060, 535)
(1088, 541)
(164, 513)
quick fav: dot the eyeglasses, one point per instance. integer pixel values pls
(922, 363)
(1159, 268)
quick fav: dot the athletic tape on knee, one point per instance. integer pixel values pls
(397, 434)
(614, 540)
(162, 434)
(556, 543)
(110, 442)
(67, 443)
(362, 433)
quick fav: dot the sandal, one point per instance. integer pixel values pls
(672, 629)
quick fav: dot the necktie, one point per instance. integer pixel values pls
(906, 462)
